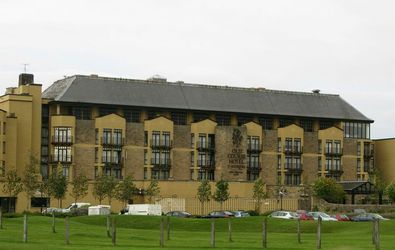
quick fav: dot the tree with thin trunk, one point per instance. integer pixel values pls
(222, 192)
(204, 193)
(390, 191)
(99, 188)
(80, 187)
(110, 185)
(30, 180)
(259, 193)
(125, 190)
(58, 186)
(153, 190)
(12, 186)
(379, 184)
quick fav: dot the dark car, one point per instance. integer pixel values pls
(220, 214)
(368, 217)
(181, 214)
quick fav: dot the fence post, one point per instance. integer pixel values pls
(377, 234)
(319, 232)
(212, 233)
(373, 232)
(264, 233)
(108, 226)
(67, 231)
(25, 228)
(230, 230)
(168, 227)
(53, 223)
(114, 232)
(1, 219)
(298, 230)
(161, 238)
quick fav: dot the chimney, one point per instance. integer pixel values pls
(25, 79)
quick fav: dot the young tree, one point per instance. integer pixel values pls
(204, 193)
(58, 186)
(222, 192)
(12, 186)
(390, 191)
(259, 193)
(110, 185)
(125, 190)
(379, 184)
(80, 187)
(30, 180)
(329, 190)
(99, 188)
(153, 190)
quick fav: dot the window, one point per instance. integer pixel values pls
(201, 159)
(107, 110)
(145, 138)
(319, 146)
(96, 136)
(117, 157)
(358, 165)
(200, 116)
(155, 157)
(328, 164)
(40, 202)
(2, 169)
(155, 139)
(288, 144)
(324, 124)
(285, 122)
(166, 139)
(243, 119)
(44, 170)
(106, 136)
(145, 173)
(65, 171)
(297, 179)
(307, 125)
(62, 154)
(357, 130)
(297, 162)
(279, 145)
(328, 146)
(117, 137)
(319, 163)
(297, 145)
(81, 113)
(106, 155)
(358, 149)
(211, 141)
(202, 141)
(266, 123)
(337, 147)
(336, 163)
(366, 165)
(192, 159)
(288, 179)
(62, 135)
(253, 142)
(192, 140)
(132, 115)
(288, 162)
(223, 119)
(145, 157)
(3, 147)
(4, 128)
(165, 158)
(279, 162)
(96, 155)
(179, 118)
(44, 136)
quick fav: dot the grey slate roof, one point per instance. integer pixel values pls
(150, 93)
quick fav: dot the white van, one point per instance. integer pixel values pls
(143, 209)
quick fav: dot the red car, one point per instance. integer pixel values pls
(305, 216)
(341, 217)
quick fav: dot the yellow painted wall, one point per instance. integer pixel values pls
(385, 158)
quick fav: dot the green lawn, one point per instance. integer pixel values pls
(142, 232)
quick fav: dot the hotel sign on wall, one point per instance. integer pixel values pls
(237, 157)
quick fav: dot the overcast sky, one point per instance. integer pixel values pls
(340, 47)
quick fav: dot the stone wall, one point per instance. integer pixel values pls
(85, 132)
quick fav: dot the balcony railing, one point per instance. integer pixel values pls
(255, 165)
(161, 144)
(206, 164)
(113, 160)
(254, 148)
(333, 151)
(62, 140)
(111, 142)
(205, 146)
(334, 169)
(161, 163)
(295, 150)
(293, 167)
(61, 158)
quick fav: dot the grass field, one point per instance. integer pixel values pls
(142, 232)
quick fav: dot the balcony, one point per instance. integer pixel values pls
(293, 167)
(161, 163)
(161, 144)
(204, 146)
(368, 153)
(332, 151)
(113, 160)
(62, 140)
(112, 142)
(254, 148)
(254, 165)
(334, 170)
(65, 159)
(206, 164)
(295, 150)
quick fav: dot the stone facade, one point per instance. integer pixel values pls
(85, 132)
(310, 143)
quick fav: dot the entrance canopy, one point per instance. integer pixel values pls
(357, 187)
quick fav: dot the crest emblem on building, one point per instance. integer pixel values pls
(237, 137)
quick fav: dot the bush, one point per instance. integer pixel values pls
(329, 190)
(253, 213)
(390, 191)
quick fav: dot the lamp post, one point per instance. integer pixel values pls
(281, 193)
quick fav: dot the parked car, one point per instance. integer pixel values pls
(368, 217)
(324, 216)
(181, 214)
(305, 216)
(284, 215)
(220, 214)
(341, 217)
(240, 213)
(70, 208)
